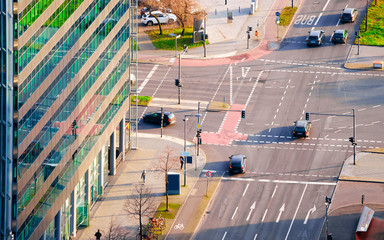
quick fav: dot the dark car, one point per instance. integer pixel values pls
(340, 36)
(155, 117)
(301, 128)
(237, 163)
(315, 38)
(349, 15)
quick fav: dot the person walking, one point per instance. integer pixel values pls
(143, 176)
(98, 235)
(181, 162)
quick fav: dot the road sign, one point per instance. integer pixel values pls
(198, 126)
(208, 173)
(277, 14)
(127, 126)
(184, 153)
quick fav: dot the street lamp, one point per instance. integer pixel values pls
(185, 142)
(176, 37)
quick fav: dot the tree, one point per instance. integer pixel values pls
(140, 204)
(116, 232)
(164, 165)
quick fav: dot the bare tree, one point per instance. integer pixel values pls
(164, 165)
(116, 232)
(140, 204)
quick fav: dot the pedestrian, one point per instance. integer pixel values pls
(143, 176)
(98, 235)
(181, 162)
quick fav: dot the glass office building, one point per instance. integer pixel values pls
(65, 91)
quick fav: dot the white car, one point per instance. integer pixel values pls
(163, 18)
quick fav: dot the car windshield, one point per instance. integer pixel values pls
(301, 129)
(338, 35)
(313, 38)
(346, 15)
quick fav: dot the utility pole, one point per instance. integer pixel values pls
(178, 81)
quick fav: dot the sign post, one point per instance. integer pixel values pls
(208, 174)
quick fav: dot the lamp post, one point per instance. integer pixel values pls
(176, 37)
(178, 81)
(185, 143)
(327, 203)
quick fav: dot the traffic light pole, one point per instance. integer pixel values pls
(351, 139)
(179, 87)
(354, 137)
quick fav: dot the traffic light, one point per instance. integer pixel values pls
(307, 116)
(242, 113)
(177, 82)
(352, 139)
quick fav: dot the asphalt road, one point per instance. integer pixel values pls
(281, 195)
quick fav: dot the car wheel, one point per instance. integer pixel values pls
(150, 23)
(170, 21)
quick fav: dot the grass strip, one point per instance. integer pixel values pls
(167, 42)
(372, 31)
(287, 15)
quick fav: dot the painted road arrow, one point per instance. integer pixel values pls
(252, 207)
(281, 210)
(310, 211)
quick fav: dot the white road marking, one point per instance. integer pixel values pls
(274, 191)
(280, 181)
(325, 5)
(265, 213)
(147, 78)
(310, 211)
(245, 190)
(317, 20)
(297, 209)
(281, 210)
(225, 234)
(338, 22)
(251, 209)
(234, 213)
(255, 237)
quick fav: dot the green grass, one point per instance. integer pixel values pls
(143, 100)
(375, 26)
(172, 207)
(287, 15)
(166, 42)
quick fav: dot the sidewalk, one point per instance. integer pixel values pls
(227, 39)
(110, 207)
(364, 178)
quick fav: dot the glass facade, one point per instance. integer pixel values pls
(65, 75)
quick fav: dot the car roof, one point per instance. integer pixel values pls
(165, 112)
(315, 33)
(340, 31)
(237, 157)
(301, 123)
(348, 10)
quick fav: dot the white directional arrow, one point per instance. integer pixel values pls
(252, 207)
(244, 73)
(281, 210)
(310, 211)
